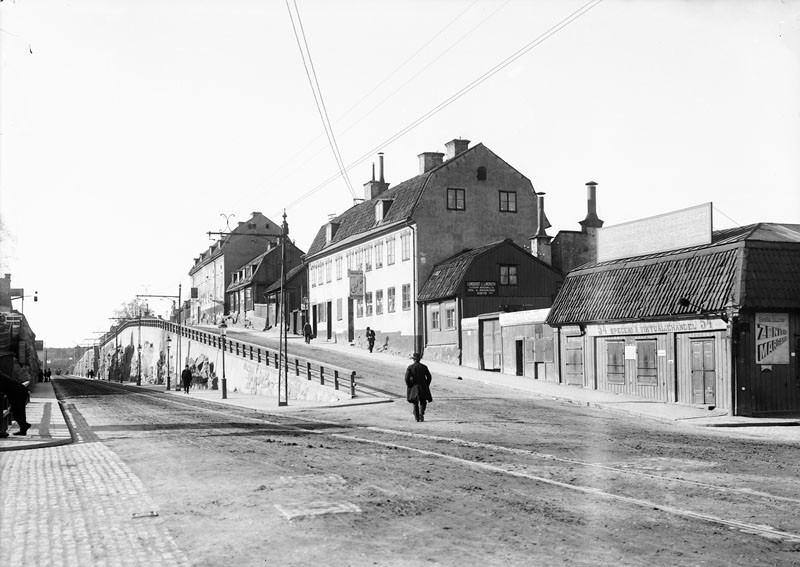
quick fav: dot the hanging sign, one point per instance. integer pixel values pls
(772, 338)
(356, 278)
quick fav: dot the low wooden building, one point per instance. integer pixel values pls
(715, 325)
(498, 277)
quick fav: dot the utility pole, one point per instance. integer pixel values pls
(284, 346)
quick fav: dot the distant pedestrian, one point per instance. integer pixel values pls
(47, 374)
(418, 382)
(370, 339)
(307, 332)
(18, 396)
(186, 377)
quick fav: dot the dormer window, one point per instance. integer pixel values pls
(382, 209)
(330, 231)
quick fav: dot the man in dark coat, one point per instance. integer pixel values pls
(370, 339)
(17, 395)
(418, 382)
(307, 332)
(186, 377)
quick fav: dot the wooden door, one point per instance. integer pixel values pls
(573, 360)
(492, 349)
(520, 357)
(704, 373)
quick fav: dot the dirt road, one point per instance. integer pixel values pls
(490, 478)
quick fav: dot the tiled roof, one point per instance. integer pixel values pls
(290, 275)
(446, 277)
(361, 218)
(649, 287)
(244, 282)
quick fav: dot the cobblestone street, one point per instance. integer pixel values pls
(79, 505)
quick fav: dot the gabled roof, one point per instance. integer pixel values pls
(447, 277)
(258, 260)
(712, 277)
(360, 218)
(290, 275)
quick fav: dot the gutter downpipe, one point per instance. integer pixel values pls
(417, 333)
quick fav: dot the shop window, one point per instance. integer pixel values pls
(615, 362)
(646, 362)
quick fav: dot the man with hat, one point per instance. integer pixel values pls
(418, 381)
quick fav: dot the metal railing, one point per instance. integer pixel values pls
(325, 374)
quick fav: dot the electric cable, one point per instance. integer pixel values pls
(572, 17)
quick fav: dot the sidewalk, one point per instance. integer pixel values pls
(48, 426)
(660, 411)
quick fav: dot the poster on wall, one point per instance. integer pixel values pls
(772, 338)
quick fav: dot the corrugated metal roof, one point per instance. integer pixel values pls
(649, 287)
(447, 276)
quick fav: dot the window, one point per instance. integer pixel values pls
(322, 313)
(350, 260)
(450, 318)
(481, 173)
(435, 320)
(328, 266)
(405, 246)
(615, 362)
(646, 366)
(406, 297)
(369, 303)
(455, 199)
(320, 273)
(367, 258)
(379, 302)
(338, 267)
(390, 300)
(508, 275)
(359, 258)
(379, 255)
(360, 307)
(508, 201)
(313, 275)
(390, 251)
(339, 309)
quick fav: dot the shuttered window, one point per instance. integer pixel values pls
(615, 362)
(646, 363)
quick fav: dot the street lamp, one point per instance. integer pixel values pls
(139, 367)
(224, 331)
(169, 341)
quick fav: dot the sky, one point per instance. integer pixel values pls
(129, 130)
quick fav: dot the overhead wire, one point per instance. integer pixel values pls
(317, 92)
(379, 84)
(572, 17)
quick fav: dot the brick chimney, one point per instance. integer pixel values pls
(540, 242)
(455, 147)
(592, 221)
(429, 160)
(374, 188)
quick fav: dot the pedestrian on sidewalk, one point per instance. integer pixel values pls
(186, 377)
(418, 382)
(18, 397)
(307, 332)
(370, 339)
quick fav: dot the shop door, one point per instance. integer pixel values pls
(704, 373)
(492, 346)
(573, 363)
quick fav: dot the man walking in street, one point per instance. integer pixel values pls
(370, 339)
(186, 378)
(307, 332)
(418, 382)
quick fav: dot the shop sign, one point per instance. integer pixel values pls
(772, 338)
(481, 288)
(656, 327)
(356, 278)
